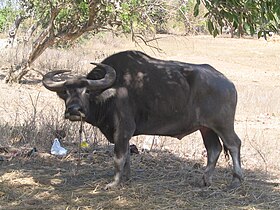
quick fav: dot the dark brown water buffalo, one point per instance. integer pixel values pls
(131, 93)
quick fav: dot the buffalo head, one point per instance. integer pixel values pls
(75, 91)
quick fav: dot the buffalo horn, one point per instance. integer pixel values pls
(105, 82)
(52, 85)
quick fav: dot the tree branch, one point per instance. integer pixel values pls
(45, 39)
(146, 42)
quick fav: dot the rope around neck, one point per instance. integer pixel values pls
(80, 141)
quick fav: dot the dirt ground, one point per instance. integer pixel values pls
(169, 176)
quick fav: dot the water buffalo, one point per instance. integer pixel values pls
(131, 93)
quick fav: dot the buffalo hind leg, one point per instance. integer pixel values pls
(233, 144)
(213, 148)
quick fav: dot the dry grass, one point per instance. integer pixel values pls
(169, 176)
(161, 180)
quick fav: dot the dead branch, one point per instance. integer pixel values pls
(146, 42)
(30, 32)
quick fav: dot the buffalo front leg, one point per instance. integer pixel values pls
(121, 163)
(214, 148)
(124, 128)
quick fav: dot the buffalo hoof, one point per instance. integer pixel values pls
(206, 181)
(111, 185)
(235, 184)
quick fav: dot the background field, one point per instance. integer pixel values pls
(169, 176)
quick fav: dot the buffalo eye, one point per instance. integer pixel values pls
(62, 94)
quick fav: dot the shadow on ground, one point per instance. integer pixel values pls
(160, 180)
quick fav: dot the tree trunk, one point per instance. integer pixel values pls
(49, 37)
(14, 28)
(45, 39)
(16, 74)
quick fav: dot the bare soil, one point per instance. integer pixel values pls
(169, 176)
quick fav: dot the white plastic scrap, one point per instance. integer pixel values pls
(57, 149)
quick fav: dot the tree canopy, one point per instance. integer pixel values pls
(46, 23)
(245, 16)
(55, 21)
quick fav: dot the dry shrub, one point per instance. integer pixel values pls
(37, 126)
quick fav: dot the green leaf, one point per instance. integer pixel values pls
(206, 14)
(215, 32)
(196, 10)
(210, 26)
(260, 33)
(252, 30)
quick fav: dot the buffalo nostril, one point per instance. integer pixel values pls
(74, 109)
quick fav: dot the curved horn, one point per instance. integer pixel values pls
(105, 82)
(52, 85)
